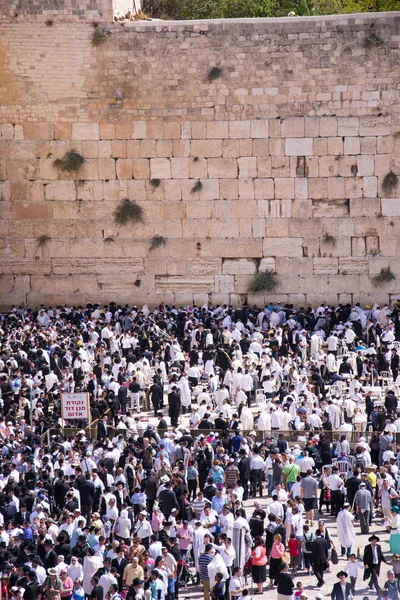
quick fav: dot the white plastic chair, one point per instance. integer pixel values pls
(386, 379)
(343, 466)
(260, 398)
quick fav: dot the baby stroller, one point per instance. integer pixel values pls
(186, 572)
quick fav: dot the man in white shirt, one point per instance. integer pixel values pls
(335, 483)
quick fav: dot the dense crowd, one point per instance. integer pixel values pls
(194, 411)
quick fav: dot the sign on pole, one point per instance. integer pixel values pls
(75, 406)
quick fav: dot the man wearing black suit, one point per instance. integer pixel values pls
(162, 425)
(394, 363)
(123, 398)
(86, 492)
(174, 406)
(320, 557)
(341, 590)
(244, 471)
(119, 563)
(50, 558)
(168, 500)
(373, 558)
(31, 586)
(102, 428)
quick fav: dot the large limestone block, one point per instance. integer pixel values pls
(106, 168)
(284, 187)
(374, 125)
(22, 169)
(318, 188)
(139, 130)
(390, 207)
(177, 267)
(331, 208)
(217, 130)
(299, 146)
(365, 165)
(180, 168)
(64, 284)
(239, 129)
(348, 126)
(172, 130)
(222, 168)
(160, 168)
(247, 167)
(5, 195)
(206, 148)
(141, 168)
(358, 246)
(224, 284)
(239, 267)
(246, 189)
(328, 127)
(325, 266)
(85, 131)
(202, 267)
(259, 128)
(294, 266)
(293, 127)
(264, 189)
(37, 210)
(278, 228)
(283, 247)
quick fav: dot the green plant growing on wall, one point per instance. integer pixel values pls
(389, 182)
(197, 187)
(128, 211)
(384, 276)
(214, 73)
(155, 183)
(109, 240)
(373, 40)
(137, 283)
(71, 161)
(99, 36)
(263, 282)
(329, 239)
(156, 242)
(42, 239)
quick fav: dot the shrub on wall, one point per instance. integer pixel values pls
(128, 211)
(71, 161)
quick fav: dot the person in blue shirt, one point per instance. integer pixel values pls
(218, 591)
(218, 501)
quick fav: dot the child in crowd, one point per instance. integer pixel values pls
(293, 552)
(352, 568)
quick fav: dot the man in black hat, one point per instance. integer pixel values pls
(136, 589)
(342, 589)
(373, 558)
(50, 557)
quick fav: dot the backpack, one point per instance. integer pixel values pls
(360, 463)
(309, 542)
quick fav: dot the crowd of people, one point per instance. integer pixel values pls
(195, 412)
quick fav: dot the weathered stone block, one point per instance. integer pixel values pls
(283, 247)
(85, 131)
(293, 127)
(299, 146)
(239, 129)
(160, 168)
(222, 168)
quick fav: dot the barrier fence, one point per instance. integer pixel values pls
(291, 436)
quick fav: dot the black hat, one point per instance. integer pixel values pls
(342, 573)
(373, 537)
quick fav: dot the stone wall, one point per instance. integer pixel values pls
(292, 144)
